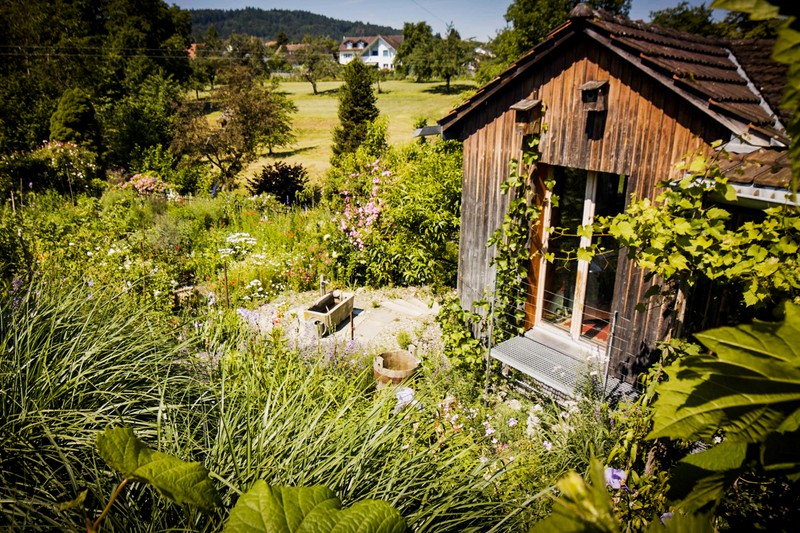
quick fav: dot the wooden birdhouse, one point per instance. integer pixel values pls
(593, 95)
(527, 115)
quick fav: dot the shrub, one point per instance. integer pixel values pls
(286, 182)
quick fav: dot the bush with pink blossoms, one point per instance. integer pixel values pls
(146, 184)
(361, 216)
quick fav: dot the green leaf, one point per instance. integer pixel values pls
(265, 509)
(585, 254)
(585, 231)
(581, 507)
(730, 193)
(715, 213)
(724, 456)
(747, 389)
(77, 503)
(758, 9)
(678, 261)
(181, 481)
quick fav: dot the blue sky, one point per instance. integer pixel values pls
(480, 19)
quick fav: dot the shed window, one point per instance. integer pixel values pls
(578, 294)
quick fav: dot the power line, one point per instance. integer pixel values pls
(434, 15)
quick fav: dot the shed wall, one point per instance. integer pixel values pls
(646, 129)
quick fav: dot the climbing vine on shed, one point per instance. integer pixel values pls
(512, 240)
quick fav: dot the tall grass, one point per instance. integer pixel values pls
(72, 363)
(292, 421)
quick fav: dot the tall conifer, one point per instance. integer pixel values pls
(357, 108)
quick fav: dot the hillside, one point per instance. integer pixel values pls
(267, 24)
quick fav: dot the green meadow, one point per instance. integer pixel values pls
(400, 102)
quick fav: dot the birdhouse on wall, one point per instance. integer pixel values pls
(527, 115)
(593, 95)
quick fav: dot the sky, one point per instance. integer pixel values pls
(478, 19)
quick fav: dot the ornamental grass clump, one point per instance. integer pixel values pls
(293, 421)
(70, 365)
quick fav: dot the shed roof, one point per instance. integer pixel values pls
(739, 91)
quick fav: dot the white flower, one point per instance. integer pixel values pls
(514, 404)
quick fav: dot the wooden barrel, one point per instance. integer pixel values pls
(394, 367)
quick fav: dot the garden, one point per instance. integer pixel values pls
(123, 325)
(125, 309)
(141, 243)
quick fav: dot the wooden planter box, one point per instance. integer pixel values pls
(330, 310)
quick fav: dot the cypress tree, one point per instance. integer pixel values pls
(357, 108)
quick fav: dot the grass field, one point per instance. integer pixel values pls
(402, 102)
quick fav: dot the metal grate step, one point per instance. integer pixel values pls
(556, 370)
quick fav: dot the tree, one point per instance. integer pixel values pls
(75, 120)
(531, 21)
(416, 53)
(247, 51)
(451, 56)
(208, 57)
(699, 20)
(357, 107)
(317, 59)
(683, 17)
(249, 114)
(137, 121)
(107, 48)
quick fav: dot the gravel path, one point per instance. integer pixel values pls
(381, 318)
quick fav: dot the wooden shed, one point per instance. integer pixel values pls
(618, 103)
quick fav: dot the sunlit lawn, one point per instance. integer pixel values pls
(402, 102)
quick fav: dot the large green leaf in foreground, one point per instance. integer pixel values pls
(748, 388)
(746, 393)
(181, 481)
(265, 509)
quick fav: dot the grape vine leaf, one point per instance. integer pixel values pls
(181, 481)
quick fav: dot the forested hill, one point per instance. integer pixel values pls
(267, 24)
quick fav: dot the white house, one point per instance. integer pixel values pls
(377, 50)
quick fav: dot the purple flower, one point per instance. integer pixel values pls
(666, 516)
(512, 422)
(615, 478)
(547, 445)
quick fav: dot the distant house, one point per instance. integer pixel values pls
(291, 52)
(623, 102)
(379, 51)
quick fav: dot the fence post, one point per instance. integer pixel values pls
(608, 350)
(489, 347)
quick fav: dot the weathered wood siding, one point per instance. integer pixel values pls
(644, 132)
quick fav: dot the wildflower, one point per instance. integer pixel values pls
(666, 516)
(404, 395)
(489, 429)
(512, 422)
(514, 404)
(547, 445)
(615, 478)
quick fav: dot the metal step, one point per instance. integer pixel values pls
(557, 370)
